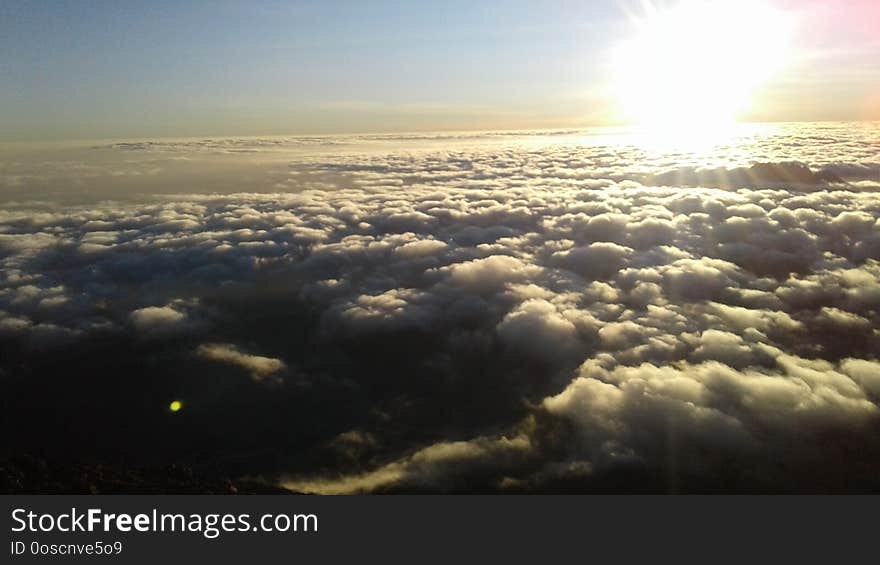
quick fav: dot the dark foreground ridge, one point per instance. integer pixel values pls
(33, 475)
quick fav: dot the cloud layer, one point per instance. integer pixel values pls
(556, 313)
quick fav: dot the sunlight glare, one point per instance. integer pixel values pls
(696, 65)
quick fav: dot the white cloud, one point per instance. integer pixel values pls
(259, 367)
(157, 318)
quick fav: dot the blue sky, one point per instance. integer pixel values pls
(165, 68)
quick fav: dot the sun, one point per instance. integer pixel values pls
(695, 65)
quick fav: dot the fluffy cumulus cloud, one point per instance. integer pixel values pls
(476, 313)
(257, 366)
(157, 319)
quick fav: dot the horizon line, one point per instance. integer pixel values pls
(560, 128)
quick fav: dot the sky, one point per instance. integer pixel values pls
(93, 69)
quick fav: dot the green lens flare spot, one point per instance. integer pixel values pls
(175, 406)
